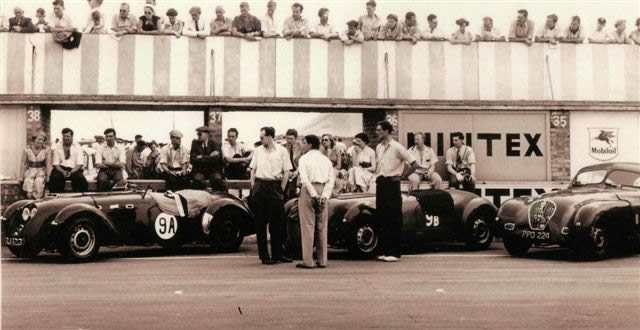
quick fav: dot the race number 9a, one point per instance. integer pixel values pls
(166, 226)
(432, 220)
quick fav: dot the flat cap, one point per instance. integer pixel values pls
(175, 133)
(202, 129)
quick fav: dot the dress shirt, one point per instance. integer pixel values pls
(109, 154)
(370, 26)
(426, 158)
(600, 36)
(270, 164)
(390, 158)
(325, 30)
(316, 168)
(229, 151)
(435, 33)
(174, 158)
(195, 29)
(127, 22)
(269, 24)
(301, 25)
(467, 157)
(76, 156)
(547, 33)
(521, 31)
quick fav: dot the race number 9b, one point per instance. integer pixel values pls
(166, 226)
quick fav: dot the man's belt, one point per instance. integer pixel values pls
(390, 178)
(269, 180)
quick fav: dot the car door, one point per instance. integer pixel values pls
(121, 210)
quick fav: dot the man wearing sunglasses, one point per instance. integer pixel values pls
(206, 158)
(124, 22)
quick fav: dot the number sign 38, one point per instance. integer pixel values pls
(166, 226)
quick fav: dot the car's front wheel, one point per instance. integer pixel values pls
(79, 241)
(364, 239)
(595, 245)
(225, 232)
(516, 247)
(479, 232)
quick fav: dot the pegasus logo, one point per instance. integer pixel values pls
(605, 136)
(540, 213)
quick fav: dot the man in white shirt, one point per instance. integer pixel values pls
(174, 162)
(427, 160)
(317, 179)
(270, 168)
(68, 162)
(195, 27)
(324, 30)
(488, 32)
(269, 26)
(237, 156)
(432, 32)
(599, 36)
(63, 29)
(550, 32)
(461, 164)
(110, 160)
(296, 26)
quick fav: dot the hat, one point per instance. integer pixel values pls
(202, 129)
(175, 133)
(461, 21)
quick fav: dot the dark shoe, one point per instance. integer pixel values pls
(303, 266)
(268, 261)
(283, 260)
(321, 266)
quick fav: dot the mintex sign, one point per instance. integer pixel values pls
(508, 146)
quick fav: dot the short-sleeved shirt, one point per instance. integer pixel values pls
(119, 22)
(459, 36)
(600, 36)
(324, 29)
(369, 26)
(111, 154)
(522, 31)
(570, 35)
(247, 24)
(229, 151)
(269, 24)
(216, 24)
(435, 33)
(547, 33)
(76, 156)
(494, 33)
(270, 164)
(390, 159)
(426, 157)
(462, 159)
(301, 25)
(411, 31)
(393, 33)
(174, 158)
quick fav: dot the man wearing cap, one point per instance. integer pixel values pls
(206, 158)
(352, 35)
(462, 36)
(488, 32)
(246, 25)
(195, 27)
(619, 35)
(174, 162)
(270, 168)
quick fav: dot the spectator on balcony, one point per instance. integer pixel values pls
(152, 163)
(111, 161)
(41, 24)
(135, 160)
(324, 30)
(619, 35)
(246, 25)
(574, 33)
(296, 26)
(94, 5)
(149, 23)
(522, 28)
(488, 32)
(174, 162)
(206, 158)
(172, 25)
(352, 35)
(432, 32)
(19, 23)
(96, 25)
(426, 159)
(237, 157)
(635, 35)
(599, 36)
(35, 167)
(67, 165)
(392, 30)
(363, 165)
(221, 25)
(269, 26)
(462, 35)
(63, 30)
(124, 22)
(410, 29)
(550, 32)
(370, 23)
(195, 27)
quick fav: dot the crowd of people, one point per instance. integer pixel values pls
(368, 27)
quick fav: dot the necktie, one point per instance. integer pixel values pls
(291, 157)
(459, 159)
(197, 29)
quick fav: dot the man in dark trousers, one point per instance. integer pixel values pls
(67, 165)
(206, 158)
(270, 168)
(390, 159)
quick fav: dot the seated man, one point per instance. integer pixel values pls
(68, 161)
(363, 165)
(174, 162)
(236, 156)
(426, 159)
(19, 23)
(461, 164)
(110, 160)
(206, 159)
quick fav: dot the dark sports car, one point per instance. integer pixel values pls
(598, 212)
(428, 216)
(76, 225)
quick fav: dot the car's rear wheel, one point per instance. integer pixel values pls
(79, 241)
(479, 232)
(364, 239)
(225, 232)
(516, 247)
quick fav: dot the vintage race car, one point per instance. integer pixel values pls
(598, 212)
(428, 216)
(76, 225)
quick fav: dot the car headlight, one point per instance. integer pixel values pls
(26, 213)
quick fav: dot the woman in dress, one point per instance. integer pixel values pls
(149, 23)
(363, 165)
(35, 167)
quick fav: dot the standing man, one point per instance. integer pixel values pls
(270, 168)
(317, 179)
(600, 36)
(461, 164)
(433, 32)
(550, 32)
(221, 25)
(296, 26)
(269, 26)
(390, 158)
(426, 159)
(195, 27)
(370, 23)
(522, 28)
(67, 165)
(206, 158)
(488, 32)
(410, 29)
(246, 25)
(124, 22)
(295, 151)
(110, 160)
(324, 30)
(236, 157)
(174, 162)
